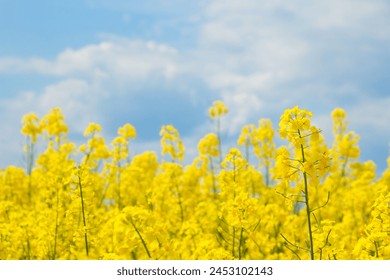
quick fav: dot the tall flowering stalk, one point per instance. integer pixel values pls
(171, 143)
(261, 138)
(307, 163)
(216, 112)
(345, 147)
(83, 211)
(209, 147)
(120, 159)
(32, 129)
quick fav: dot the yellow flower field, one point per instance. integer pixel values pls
(304, 200)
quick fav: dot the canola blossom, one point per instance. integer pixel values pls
(307, 199)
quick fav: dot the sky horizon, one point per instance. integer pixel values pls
(152, 63)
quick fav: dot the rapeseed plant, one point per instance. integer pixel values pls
(216, 112)
(99, 201)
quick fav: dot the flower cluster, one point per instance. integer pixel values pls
(307, 199)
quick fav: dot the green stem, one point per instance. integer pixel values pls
(118, 178)
(219, 139)
(307, 203)
(56, 230)
(119, 187)
(376, 249)
(240, 244)
(140, 237)
(234, 240)
(213, 176)
(266, 175)
(180, 203)
(308, 216)
(247, 151)
(84, 220)
(343, 172)
(30, 163)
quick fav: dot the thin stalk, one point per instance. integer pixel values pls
(266, 175)
(234, 196)
(141, 238)
(28, 249)
(240, 244)
(29, 188)
(343, 172)
(84, 220)
(30, 163)
(219, 139)
(247, 150)
(308, 212)
(180, 204)
(118, 179)
(213, 176)
(56, 230)
(376, 249)
(234, 239)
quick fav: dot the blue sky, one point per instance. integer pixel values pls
(151, 63)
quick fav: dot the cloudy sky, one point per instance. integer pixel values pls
(153, 62)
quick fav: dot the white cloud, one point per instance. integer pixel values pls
(242, 107)
(119, 58)
(258, 56)
(355, 16)
(372, 114)
(88, 79)
(75, 97)
(14, 65)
